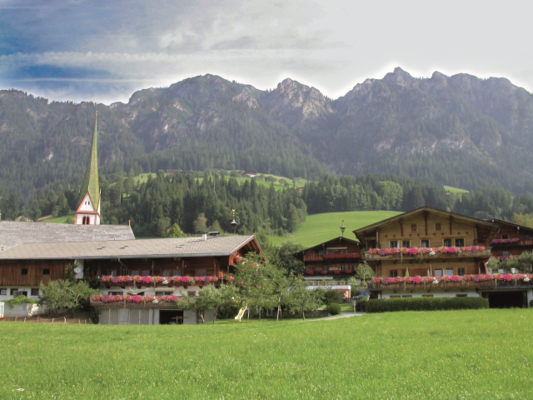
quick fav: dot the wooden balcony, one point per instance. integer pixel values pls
(312, 257)
(443, 285)
(438, 255)
(325, 257)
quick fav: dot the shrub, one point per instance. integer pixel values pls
(332, 296)
(19, 300)
(334, 308)
(426, 304)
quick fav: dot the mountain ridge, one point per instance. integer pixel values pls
(459, 130)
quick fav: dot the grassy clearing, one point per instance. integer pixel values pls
(455, 190)
(321, 227)
(456, 354)
(59, 220)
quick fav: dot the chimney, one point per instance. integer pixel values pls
(204, 237)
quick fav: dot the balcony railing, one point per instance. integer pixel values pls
(427, 252)
(329, 282)
(330, 272)
(515, 242)
(312, 257)
(486, 281)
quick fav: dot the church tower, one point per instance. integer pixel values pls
(88, 211)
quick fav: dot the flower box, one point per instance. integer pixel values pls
(324, 272)
(337, 272)
(308, 272)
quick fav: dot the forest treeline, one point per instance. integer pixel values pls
(192, 203)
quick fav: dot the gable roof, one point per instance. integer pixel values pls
(16, 233)
(511, 224)
(142, 248)
(90, 180)
(373, 227)
(319, 245)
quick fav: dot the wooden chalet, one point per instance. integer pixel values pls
(142, 278)
(331, 263)
(429, 252)
(511, 239)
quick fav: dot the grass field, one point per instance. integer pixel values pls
(60, 220)
(413, 355)
(455, 190)
(320, 227)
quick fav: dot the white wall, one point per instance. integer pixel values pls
(24, 310)
(435, 293)
(20, 289)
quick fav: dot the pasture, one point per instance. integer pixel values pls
(321, 227)
(412, 355)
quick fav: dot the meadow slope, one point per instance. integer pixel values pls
(411, 355)
(321, 227)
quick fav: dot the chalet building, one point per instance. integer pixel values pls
(88, 211)
(511, 239)
(143, 278)
(433, 253)
(331, 263)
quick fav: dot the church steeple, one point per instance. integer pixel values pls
(88, 212)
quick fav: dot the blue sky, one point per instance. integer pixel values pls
(105, 50)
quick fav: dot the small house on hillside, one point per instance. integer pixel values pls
(251, 174)
(511, 239)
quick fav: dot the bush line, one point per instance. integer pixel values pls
(426, 304)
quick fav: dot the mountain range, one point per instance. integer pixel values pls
(460, 131)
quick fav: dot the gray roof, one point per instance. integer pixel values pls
(141, 248)
(15, 233)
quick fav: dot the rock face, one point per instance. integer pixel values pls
(450, 129)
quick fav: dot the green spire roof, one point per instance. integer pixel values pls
(90, 180)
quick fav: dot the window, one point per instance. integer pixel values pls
(427, 295)
(505, 236)
(191, 294)
(24, 271)
(13, 291)
(394, 244)
(164, 293)
(115, 293)
(112, 272)
(23, 293)
(343, 267)
(146, 272)
(86, 221)
(438, 272)
(35, 292)
(3, 292)
(321, 253)
(527, 237)
(506, 254)
(413, 228)
(393, 273)
(176, 272)
(459, 242)
(449, 272)
(461, 271)
(324, 268)
(135, 272)
(447, 242)
(200, 272)
(166, 272)
(438, 226)
(344, 252)
(406, 243)
(461, 295)
(46, 271)
(403, 272)
(424, 243)
(330, 252)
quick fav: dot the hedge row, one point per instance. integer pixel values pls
(426, 304)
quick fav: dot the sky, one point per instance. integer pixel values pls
(106, 50)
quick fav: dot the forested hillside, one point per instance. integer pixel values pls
(460, 131)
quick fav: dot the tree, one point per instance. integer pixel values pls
(211, 298)
(175, 232)
(302, 300)
(364, 272)
(63, 294)
(200, 224)
(283, 257)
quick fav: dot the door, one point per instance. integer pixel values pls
(123, 316)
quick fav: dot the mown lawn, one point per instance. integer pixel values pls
(318, 228)
(443, 355)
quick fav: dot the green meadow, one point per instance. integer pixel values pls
(455, 190)
(413, 355)
(321, 227)
(59, 220)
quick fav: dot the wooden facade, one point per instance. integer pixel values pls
(511, 239)
(427, 242)
(337, 257)
(31, 273)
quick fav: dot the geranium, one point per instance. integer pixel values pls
(428, 279)
(336, 272)
(97, 297)
(149, 298)
(413, 251)
(377, 280)
(309, 272)
(452, 278)
(213, 279)
(155, 300)
(238, 258)
(415, 280)
(106, 278)
(323, 272)
(391, 281)
(449, 250)
(348, 271)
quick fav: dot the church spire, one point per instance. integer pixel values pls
(88, 212)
